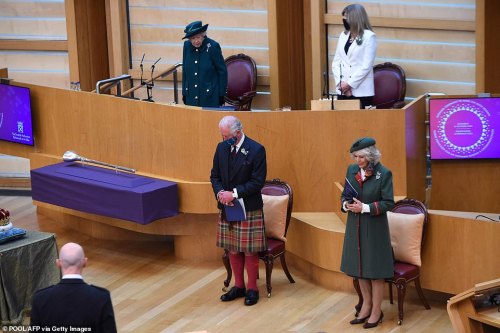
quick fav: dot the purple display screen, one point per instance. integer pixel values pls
(464, 128)
(15, 114)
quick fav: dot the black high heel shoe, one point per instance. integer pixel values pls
(375, 324)
(356, 321)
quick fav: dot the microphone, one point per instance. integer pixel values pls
(324, 85)
(152, 70)
(142, 69)
(340, 81)
(149, 86)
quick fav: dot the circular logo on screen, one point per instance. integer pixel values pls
(463, 128)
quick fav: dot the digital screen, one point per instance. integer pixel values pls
(15, 115)
(464, 128)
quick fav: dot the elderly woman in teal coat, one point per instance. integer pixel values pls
(367, 253)
(204, 72)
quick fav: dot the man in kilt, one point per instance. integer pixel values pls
(239, 172)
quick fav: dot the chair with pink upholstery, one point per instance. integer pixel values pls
(407, 222)
(390, 86)
(278, 203)
(241, 81)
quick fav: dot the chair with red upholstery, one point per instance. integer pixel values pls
(390, 86)
(407, 222)
(278, 203)
(241, 81)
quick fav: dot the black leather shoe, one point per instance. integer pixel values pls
(233, 294)
(252, 297)
(356, 321)
(375, 324)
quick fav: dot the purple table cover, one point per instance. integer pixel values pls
(105, 192)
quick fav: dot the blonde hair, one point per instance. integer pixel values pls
(358, 19)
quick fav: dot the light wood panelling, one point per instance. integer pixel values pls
(117, 33)
(180, 17)
(476, 182)
(48, 79)
(27, 60)
(156, 141)
(155, 34)
(34, 45)
(416, 88)
(37, 30)
(460, 250)
(457, 252)
(488, 71)
(16, 8)
(203, 4)
(434, 10)
(87, 42)
(22, 28)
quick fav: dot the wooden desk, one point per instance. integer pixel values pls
(27, 264)
(466, 317)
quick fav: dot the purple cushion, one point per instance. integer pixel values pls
(405, 271)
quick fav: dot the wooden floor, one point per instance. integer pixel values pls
(152, 291)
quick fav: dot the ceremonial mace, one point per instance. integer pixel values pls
(71, 156)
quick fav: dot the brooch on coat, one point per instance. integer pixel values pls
(244, 151)
(208, 47)
(377, 176)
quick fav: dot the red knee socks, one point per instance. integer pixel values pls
(252, 266)
(237, 261)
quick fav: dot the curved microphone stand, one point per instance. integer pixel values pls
(71, 156)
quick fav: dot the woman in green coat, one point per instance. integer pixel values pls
(367, 253)
(204, 72)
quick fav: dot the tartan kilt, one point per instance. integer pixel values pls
(244, 236)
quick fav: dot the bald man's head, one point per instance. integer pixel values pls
(71, 259)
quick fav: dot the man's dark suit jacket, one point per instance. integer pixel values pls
(247, 174)
(72, 302)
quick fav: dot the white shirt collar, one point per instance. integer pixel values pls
(238, 146)
(72, 276)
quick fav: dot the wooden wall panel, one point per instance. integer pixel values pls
(488, 46)
(427, 9)
(474, 180)
(156, 29)
(87, 42)
(32, 42)
(39, 61)
(458, 252)
(434, 42)
(287, 53)
(307, 149)
(13, 8)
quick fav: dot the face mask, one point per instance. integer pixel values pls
(231, 141)
(346, 24)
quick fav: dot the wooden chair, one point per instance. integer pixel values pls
(404, 272)
(275, 247)
(241, 81)
(390, 86)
